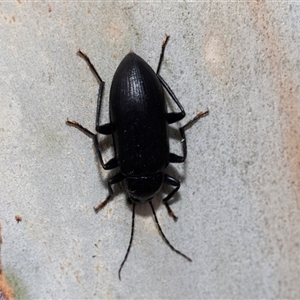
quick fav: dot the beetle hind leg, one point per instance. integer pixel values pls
(170, 211)
(115, 179)
(174, 182)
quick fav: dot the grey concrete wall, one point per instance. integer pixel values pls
(238, 206)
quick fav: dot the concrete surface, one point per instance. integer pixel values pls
(238, 206)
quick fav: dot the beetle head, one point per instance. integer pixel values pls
(143, 188)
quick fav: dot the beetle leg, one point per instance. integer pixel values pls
(199, 115)
(115, 179)
(174, 116)
(174, 182)
(92, 68)
(112, 163)
(80, 127)
(163, 46)
(174, 158)
(171, 117)
(104, 129)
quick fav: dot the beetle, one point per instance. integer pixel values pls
(139, 122)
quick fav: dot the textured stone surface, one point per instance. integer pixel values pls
(238, 205)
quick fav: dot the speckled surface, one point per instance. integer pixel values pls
(238, 205)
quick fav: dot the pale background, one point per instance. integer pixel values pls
(238, 206)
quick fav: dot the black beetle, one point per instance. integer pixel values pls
(139, 126)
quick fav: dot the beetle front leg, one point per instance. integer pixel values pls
(163, 46)
(173, 116)
(104, 129)
(113, 180)
(174, 182)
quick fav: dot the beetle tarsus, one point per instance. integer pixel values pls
(163, 46)
(170, 212)
(91, 66)
(80, 127)
(165, 42)
(101, 205)
(81, 54)
(199, 115)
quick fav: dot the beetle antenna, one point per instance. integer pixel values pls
(163, 46)
(164, 237)
(130, 242)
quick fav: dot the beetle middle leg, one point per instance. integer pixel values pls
(174, 158)
(177, 116)
(112, 163)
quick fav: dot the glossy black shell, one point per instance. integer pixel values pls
(138, 118)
